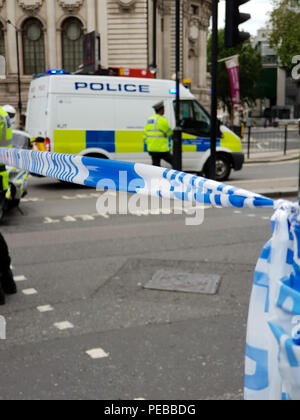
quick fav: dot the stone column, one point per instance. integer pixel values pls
(102, 28)
(281, 87)
(203, 58)
(11, 54)
(51, 34)
(165, 41)
(91, 15)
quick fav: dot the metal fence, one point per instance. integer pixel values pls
(268, 140)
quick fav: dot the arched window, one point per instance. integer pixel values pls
(33, 47)
(72, 44)
(2, 41)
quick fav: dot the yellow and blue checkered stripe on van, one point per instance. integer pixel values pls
(75, 141)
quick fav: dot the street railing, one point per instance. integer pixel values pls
(268, 140)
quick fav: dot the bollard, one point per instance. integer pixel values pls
(177, 149)
(249, 141)
(2, 328)
(285, 139)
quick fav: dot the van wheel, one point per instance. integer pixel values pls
(223, 168)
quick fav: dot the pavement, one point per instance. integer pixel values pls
(268, 157)
(276, 187)
(273, 188)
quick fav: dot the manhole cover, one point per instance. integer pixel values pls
(206, 284)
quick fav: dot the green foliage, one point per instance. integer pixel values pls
(250, 68)
(285, 36)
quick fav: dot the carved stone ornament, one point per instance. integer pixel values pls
(194, 29)
(206, 14)
(71, 6)
(193, 33)
(165, 7)
(1, 3)
(126, 4)
(30, 5)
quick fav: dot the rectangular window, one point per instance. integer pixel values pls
(2, 42)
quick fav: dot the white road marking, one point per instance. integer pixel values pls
(65, 325)
(45, 308)
(29, 292)
(105, 215)
(49, 220)
(32, 200)
(97, 354)
(20, 278)
(66, 197)
(251, 215)
(93, 216)
(80, 196)
(69, 219)
(85, 217)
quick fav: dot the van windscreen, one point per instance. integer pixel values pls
(193, 118)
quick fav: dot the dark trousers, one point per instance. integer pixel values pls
(158, 157)
(5, 260)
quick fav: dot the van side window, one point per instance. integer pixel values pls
(193, 118)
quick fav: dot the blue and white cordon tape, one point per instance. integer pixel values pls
(132, 178)
(273, 336)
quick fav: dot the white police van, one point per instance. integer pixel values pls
(103, 116)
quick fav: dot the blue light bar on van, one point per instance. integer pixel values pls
(173, 91)
(54, 71)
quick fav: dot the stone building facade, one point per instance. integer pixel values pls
(50, 37)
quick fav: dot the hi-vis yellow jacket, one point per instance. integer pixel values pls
(157, 133)
(6, 134)
(6, 131)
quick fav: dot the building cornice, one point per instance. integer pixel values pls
(126, 4)
(30, 5)
(70, 6)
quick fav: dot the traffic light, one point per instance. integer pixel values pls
(234, 18)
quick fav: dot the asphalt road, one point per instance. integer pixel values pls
(81, 280)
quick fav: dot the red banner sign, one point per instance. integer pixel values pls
(234, 78)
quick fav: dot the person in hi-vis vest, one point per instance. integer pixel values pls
(157, 134)
(6, 134)
(7, 284)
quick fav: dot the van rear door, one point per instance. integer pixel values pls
(37, 118)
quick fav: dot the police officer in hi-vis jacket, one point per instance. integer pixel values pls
(7, 284)
(157, 134)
